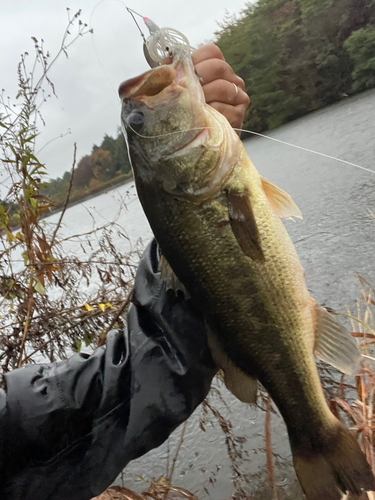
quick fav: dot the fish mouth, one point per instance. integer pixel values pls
(148, 84)
(160, 86)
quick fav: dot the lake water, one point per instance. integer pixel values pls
(335, 241)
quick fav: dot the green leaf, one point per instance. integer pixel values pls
(78, 345)
(38, 287)
(35, 170)
(4, 219)
(30, 138)
(29, 192)
(25, 257)
(88, 339)
(33, 157)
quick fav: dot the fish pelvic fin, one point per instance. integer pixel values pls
(240, 384)
(280, 201)
(243, 224)
(338, 468)
(334, 344)
(169, 277)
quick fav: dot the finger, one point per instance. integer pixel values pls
(234, 114)
(225, 92)
(217, 69)
(206, 52)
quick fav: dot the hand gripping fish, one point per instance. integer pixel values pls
(217, 222)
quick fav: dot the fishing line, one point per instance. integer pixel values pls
(157, 46)
(132, 12)
(265, 137)
(308, 150)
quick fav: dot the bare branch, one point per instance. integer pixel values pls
(58, 225)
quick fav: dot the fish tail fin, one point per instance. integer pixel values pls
(333, 468)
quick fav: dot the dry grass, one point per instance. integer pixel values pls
(360, 411)
(161, 489)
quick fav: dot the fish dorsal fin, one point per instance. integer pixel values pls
(281, 202)
(334, 344)
(243, 224)
(172, 282)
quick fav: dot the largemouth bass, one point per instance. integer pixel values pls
(217, 222)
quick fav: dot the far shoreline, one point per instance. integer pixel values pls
(107, 186)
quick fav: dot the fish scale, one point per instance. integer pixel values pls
(233, 289)
(217, 224)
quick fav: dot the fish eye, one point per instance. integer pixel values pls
(136, 120)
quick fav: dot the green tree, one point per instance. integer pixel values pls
(361, 48)
(108, 144)
(121, 158)
(292, 57)
(66, 177)
(119, 153)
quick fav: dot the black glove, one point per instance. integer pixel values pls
(67, 429)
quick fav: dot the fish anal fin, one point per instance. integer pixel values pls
(334, 344)
(240, 384)
(243, 224)
(169, 277)
(280, 201)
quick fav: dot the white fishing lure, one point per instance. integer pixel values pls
(162, 42)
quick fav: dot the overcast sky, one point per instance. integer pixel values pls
(87, 103)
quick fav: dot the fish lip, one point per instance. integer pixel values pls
(148, 84)
(144, 85)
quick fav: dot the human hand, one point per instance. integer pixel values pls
(223, 89)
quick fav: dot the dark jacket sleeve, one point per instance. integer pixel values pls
(67, 429)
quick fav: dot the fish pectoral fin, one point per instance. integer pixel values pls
(334, 344)
(243, 224)
(280, 201)
(172, 282)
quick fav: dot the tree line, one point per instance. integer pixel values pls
(107, 162)
(296, 56)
